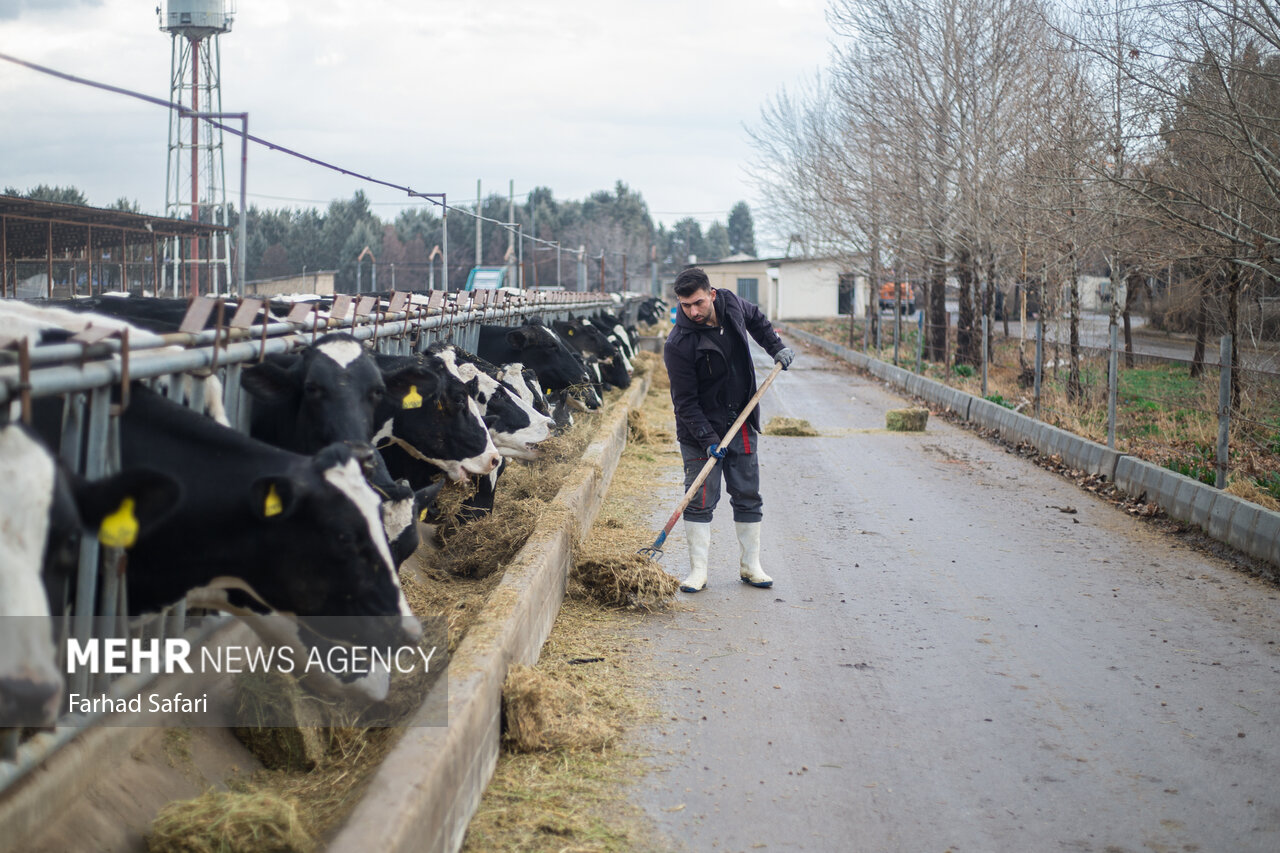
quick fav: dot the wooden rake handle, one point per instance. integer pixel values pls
(711, 461)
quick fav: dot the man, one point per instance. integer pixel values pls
(708, 358)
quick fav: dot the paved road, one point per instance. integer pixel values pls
(949, 661)
(1095, 333)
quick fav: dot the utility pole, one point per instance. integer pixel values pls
(479, 224)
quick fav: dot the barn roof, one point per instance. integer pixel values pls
(29, 226)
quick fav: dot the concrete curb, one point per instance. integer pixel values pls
(1244, 526)
(423, 794)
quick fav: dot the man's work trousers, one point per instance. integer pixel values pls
(741, 471)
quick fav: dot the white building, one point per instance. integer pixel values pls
(793, 288)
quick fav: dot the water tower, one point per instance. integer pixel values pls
(195, 176)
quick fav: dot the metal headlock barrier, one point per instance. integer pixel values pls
(86, 370)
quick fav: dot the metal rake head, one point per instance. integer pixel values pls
(652, 552)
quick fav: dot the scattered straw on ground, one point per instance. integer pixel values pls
(545, 712)
(608, 570)
(230, 822)
(790, 426)
(652, 362)
(579, 799)
(576, 799)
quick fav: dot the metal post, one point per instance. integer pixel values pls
(1113, 383)
(479, 223)
(1224, 409)
(1039, 358)
(244, 212)
(444, 226)
(897, 326)
(519, 256)
(985, 331)
(920, 341)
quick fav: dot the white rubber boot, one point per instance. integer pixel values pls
(749, 563)
(698, 535)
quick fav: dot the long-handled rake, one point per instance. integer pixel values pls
(654, 551)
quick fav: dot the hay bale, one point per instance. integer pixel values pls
(790, 426)
(230, 822)
(906, 420)
(544, 713)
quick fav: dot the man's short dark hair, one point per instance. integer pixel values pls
(690, 281)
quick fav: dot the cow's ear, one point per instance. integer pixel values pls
(272, 498)
(519, 338)
(128, 506)
(408, 385)
(271, 380)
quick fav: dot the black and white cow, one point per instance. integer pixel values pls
(588, 340)
(434, 426)
(293, 545)
(652, 310)
(515, 425)
(42, 508)
(328, 393)
(541, 350)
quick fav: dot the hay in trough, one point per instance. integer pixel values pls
(263, 700)
(790, 426)
(906, 420)
(543, 712)
(230, 822)
(646, 361)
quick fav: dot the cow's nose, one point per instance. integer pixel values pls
(28, 702)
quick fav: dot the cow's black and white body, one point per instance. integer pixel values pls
(514, 424)
(541, 350)
(291, 544)
(42, 509)
(328, 393)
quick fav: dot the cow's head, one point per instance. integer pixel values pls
(515, 426)
(327, 577)
(329, 392)
(436, 419)
(542, 350)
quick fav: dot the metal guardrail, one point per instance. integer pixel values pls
(86, 371)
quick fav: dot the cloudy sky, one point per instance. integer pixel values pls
(434, 95)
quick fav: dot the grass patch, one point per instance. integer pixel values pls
(1163, 414)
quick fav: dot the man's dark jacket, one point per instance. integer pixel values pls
(699, 374)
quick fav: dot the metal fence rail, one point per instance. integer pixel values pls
(86, 372)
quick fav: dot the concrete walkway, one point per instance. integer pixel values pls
(961, 652)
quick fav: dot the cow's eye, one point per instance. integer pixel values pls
(313, 390)
(375, 394)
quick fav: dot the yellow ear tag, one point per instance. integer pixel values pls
(548, 392)
(120, 528)
(570, 333)
(422, 516)
(272, 505)
(412, 399)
